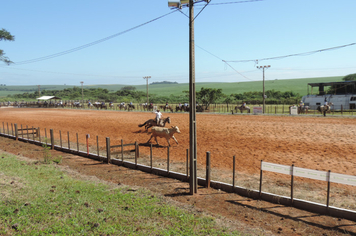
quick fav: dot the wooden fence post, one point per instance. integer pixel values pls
(77, 143)
(68, 140)
(122, 151)
(52, 139)
(328, 193)
(108, 153)
(136, 153)
(33, 134)
(151, 157)
(292, 186)
(187, 162)
(260, 190)
(168, 160)
(233, 173)
(16, 132)
(27, 132)
(208, 170)
(60, 138)
(97, 144)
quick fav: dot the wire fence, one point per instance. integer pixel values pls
(308, 195)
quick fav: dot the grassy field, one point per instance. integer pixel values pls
(295, 85)
(40, 198)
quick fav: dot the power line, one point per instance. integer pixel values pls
(89, 44)
(296, 54)
(247, 1)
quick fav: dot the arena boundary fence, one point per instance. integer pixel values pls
(324, 209)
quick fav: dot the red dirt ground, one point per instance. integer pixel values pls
(309, 142)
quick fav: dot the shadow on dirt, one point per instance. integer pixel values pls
(297, 219)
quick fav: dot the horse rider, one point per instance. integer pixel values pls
(301, 104)
(158, 116)
(325, 102)
(166, 104)
(243, 104)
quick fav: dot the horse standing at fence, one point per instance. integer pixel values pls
(130, 107)
(303, 109)
(243, 108)
(324, 108)
(148, 107)
(166, 107)
(179, 108)
(121, 106)
(152, 122)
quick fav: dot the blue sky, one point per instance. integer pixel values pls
(160, 49)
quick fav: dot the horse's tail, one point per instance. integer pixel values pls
(142, 124)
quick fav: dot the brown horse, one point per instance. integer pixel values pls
(243, 108)
(148, 107)
(303, 109)
(151, 122)
(182, 108)
(166, 107)
(130, 107)
(121, 106)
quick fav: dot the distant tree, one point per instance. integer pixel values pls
(6, 36)
(349, 77)
(208, 95)
(128, 88)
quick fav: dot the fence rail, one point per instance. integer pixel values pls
(277, 109)
(207, 182)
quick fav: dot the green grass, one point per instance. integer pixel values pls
(41, 199)
(295, 85)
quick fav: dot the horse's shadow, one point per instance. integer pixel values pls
(140, 131)
(153, 145)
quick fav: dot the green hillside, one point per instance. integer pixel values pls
(294, 85)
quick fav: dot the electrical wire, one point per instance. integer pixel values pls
(296, 54)
(247, 1)
(89, 44)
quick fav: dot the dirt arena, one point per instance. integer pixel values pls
(314, 142)
(310, 142)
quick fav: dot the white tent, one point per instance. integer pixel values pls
(48, 98)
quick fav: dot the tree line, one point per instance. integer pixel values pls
(205, 96)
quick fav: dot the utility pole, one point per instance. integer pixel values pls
(264, 96)
(146, 78)
(39, 91)
(192, 101)
(82, 91)
(193, 178)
